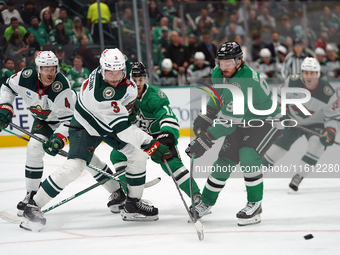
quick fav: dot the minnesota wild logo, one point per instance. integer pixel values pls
(40, 113)
(57, 86)
(108, 93)
(27, 73)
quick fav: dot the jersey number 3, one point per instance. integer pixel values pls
(115, 107)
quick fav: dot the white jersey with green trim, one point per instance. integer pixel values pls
(53, 104)
(323, 105)
(102, 109)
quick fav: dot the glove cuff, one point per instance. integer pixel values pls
(152, 149)
(8, 107)
(332, 130)
(63, 138)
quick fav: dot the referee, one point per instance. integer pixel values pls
(292, 63)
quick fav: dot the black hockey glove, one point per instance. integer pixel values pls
(199, 145)
(204, 121)
(166, 138)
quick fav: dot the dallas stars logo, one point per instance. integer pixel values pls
(37, 111)
(145, 123)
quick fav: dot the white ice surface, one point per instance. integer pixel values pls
(85, 225)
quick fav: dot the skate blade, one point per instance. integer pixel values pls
(138, 217)
(31, 226)
(291, 191)
(251, 221)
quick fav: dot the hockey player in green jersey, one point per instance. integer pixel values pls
(324, 119)
(243, 144)
(156, 118)
(48, 95)
(101, 113)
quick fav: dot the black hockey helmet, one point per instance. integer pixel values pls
(138, 69)
(229, 50)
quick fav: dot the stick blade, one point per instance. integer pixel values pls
(199, 228)
(10, 218)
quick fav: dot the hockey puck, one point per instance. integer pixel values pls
(309, 236)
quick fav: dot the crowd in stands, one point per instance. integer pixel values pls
(275, 36)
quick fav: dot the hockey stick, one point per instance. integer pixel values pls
(312, 132)
(198, 225)
(64, 153)
(192, 188)
(22, 137)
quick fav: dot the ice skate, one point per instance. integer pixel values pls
(137, 210)
(250, 214)
(295, 182)
(22, 204)
(33, 217)
(201, 209)
(116, 201)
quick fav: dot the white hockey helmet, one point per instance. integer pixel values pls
(112, 60)
(199, 55)
(320, 51)
(311, 64)
(46, 58)
(265, 53)
(167, 63)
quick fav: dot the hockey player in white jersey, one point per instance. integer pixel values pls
(48, 95)
(101, 113)
(324, 119)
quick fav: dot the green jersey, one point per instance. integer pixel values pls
(243, 79)
(155, 113)
(5, 74)
(77, 78)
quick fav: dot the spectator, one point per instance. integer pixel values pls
(257, 46)
(208, 21)
(28, 11)
(323, 40)
(192, 47)
(59, 36)
(164, 40)
(21, 64)
(333, 62)
(14, 27)
(266, 65)
(275, 43)
(15, 48)
(178, 27)
(169, 10)
(92, 20)
(301, 31)
(77, 74)
(199, 70)
(268, 24)
(68, 23)
(254, 24)
(46, 22)
(286, 28)
(157, 32)
(10, 13)
(32, 44)
(233, 29)
(53, 9)
(64, 64)
(166, 76)
(329, 21)
(154, 14)
(320, 56)
(156, 52)
(88, 58)
(209, 50)
(80, 30)
(179, 57)
(39, 33)
(292, 64)
(221, 20)
(8, 70)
